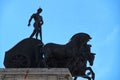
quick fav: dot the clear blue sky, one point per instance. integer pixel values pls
(62, 19)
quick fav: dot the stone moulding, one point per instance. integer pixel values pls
(35, 74)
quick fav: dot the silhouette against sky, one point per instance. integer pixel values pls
(37, 24)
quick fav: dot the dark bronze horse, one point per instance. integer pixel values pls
(80, 67)
(68, 50)
(70, 55)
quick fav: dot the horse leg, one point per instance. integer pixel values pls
(91, 71)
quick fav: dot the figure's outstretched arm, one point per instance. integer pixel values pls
(30, 20)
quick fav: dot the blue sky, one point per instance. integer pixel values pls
(62, 19)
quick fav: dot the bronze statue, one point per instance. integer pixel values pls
(37, 24)
(68, 50)
(79, 65)
(73, 55)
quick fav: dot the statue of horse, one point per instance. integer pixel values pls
(80, 67)
(70, 49)
(69, 55)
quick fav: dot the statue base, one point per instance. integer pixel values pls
(35, 74)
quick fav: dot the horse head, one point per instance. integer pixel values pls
(91, 58)
(81, 38)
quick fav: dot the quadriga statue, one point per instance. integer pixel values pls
(31, 53)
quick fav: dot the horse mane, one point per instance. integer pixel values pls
(78, 39)
(80, 36)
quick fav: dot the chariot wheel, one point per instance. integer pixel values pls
(20, 61)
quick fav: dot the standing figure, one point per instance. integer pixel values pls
(37, 24)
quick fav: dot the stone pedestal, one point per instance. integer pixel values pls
(35, 74)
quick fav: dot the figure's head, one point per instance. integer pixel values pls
(39, 10)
